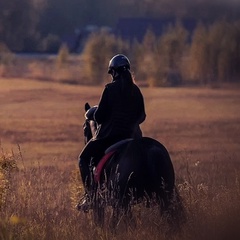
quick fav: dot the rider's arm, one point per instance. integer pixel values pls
(101, 113)
(142, 116)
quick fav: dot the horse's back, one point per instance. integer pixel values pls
(145, 165)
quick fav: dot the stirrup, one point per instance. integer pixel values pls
(84, 204)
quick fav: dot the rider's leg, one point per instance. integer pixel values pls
(94, 149)
(85, 172)
(84, 168)
(84, 165)
(84, 203)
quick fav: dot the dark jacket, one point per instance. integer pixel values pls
(119, 112)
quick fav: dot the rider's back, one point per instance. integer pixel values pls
(120, 111)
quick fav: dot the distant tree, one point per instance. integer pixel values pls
(6, 56)
(198, 64)
(173, 46)
(63, 55)
(76, 14)
(228, 61)
(24, 23)
(159, 60)
(148, 62)
(51, 44)
(99, 49)
(235, 63)
(215, 35)
(223, 51)
(137, 54)
(214, 53)
(18, 22)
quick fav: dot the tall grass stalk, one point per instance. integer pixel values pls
(40, 205)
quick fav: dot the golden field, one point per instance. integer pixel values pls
(41, 129)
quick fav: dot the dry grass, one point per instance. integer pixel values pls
(40, 122)
(60, 68)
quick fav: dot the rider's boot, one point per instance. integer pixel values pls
(84, 204)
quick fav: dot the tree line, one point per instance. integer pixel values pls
(34, 25)
(211, 55)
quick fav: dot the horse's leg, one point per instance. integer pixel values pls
(130, 220)
(120, 210)
(172, 209)
(98, 215)
(177, 209)
(98, 210)
(164, 200)
(122, 216)
(115, 219)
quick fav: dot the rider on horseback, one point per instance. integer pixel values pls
(119, 113)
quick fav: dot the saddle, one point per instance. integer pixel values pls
(108, 154)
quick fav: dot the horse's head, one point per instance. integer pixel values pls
(90, 125)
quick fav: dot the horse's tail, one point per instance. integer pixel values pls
(160, 174)
(160, 166)
(161, 171)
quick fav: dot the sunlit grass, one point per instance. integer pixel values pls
(41, 200)
(41, 135)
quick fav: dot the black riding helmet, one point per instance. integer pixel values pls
(117, 63)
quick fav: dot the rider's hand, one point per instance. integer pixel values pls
(90, 113)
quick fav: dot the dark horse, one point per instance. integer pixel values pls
(139, 171)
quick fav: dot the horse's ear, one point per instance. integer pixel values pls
(87, 106)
